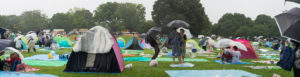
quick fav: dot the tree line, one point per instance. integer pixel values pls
(129, 16)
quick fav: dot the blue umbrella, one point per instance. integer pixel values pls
(4, 44)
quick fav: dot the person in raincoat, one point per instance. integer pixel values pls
(31, 45)
(175, 40)
(19, 44)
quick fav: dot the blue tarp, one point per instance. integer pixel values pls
(210, 73)
(121, 43)
(24, 45)
(41, 57)
(268, 44)
(220, 62)
(20, 74)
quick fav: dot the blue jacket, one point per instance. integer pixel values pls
(287, 56)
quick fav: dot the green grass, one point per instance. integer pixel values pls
(142, 69)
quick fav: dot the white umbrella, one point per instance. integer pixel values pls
(211, 42)
(200, 36)
(186, 32)
(33, 35)
(239, 45)
(223, 43)
(255, 43)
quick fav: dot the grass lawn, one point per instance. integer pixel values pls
(142, 69)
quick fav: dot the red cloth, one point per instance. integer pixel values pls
(12, 60)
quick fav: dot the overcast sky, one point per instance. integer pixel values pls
(213, 8)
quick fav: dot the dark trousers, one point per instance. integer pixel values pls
(33, 50)
(204, 48)
(156, 49)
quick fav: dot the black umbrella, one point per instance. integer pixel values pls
(178, 24)
(4, 44)
(289, 24)
(296, 1)
(153, 31)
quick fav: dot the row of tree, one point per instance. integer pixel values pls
(129, 16)
(239, 25)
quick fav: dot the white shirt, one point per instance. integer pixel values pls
(236, 56)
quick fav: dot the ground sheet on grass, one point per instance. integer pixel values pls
(210, 73)
(162, 59)
(20, 74)
(220, 62)
(45, 63)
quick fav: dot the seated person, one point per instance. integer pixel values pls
(14, 61)
(227, 55)
(236, 54)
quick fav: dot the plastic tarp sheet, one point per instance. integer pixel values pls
(45, 63)
(220, 62)
(210, 73)
(162, 59)
(64, 43)
(42, 57)
(131, 51)
(20, 74)
(182, 65)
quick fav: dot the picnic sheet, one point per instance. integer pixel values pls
(266, 62)
(210, 73)
(220, 62)
(20, 74)
(45, 63)
(131, 51)
(269, 57)
(182, 65)
(263, 67)
(162, 59)
(41, 57)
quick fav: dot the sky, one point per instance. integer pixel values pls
(213, 8)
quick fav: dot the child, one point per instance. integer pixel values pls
(227, 55)
(14, 61)
(183, 44)
(236, 55)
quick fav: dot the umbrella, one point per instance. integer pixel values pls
(223, 43)
(255, 43)
(4, 44)
(178, 24)
(186, 32)
(289, 24)
(153, 31)
(200, 36)
(296, 1)
(211, 42)
(239, 45)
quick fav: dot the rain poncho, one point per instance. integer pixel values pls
(96, 40)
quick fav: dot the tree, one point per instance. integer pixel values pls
(230, 23)
(33, 21)
(269, 23)
(82, 18)
(120, 16)
(191, 11)
(145, 26)
(62, 21)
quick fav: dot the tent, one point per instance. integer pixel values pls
(10, 50)
(121, 41)
(134, 44)
(146, 45)
(192, 44)
(96, 51)
(63, 41)
(250, 54)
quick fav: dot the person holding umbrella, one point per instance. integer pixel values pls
(152, 38)
(175, 39)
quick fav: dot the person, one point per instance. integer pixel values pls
(296, 67)
(14, 61)
(154, 43)
(276, 46)
(183, 44)
(236, 54)
(31, 45)
(227, 55)
(174, 41)
(19, 44)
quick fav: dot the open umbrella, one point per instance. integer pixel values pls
(178, 24)
(223, 43)
(4, 44)
(153, 31)
(211, 42)
(289, 24)
(296, 1)
(186, 32)
(239, 45)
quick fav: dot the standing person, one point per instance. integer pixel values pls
(276, 46)
(296, 66)
(174, 41)
(31, 45)
(183, 44)
(236, 54)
